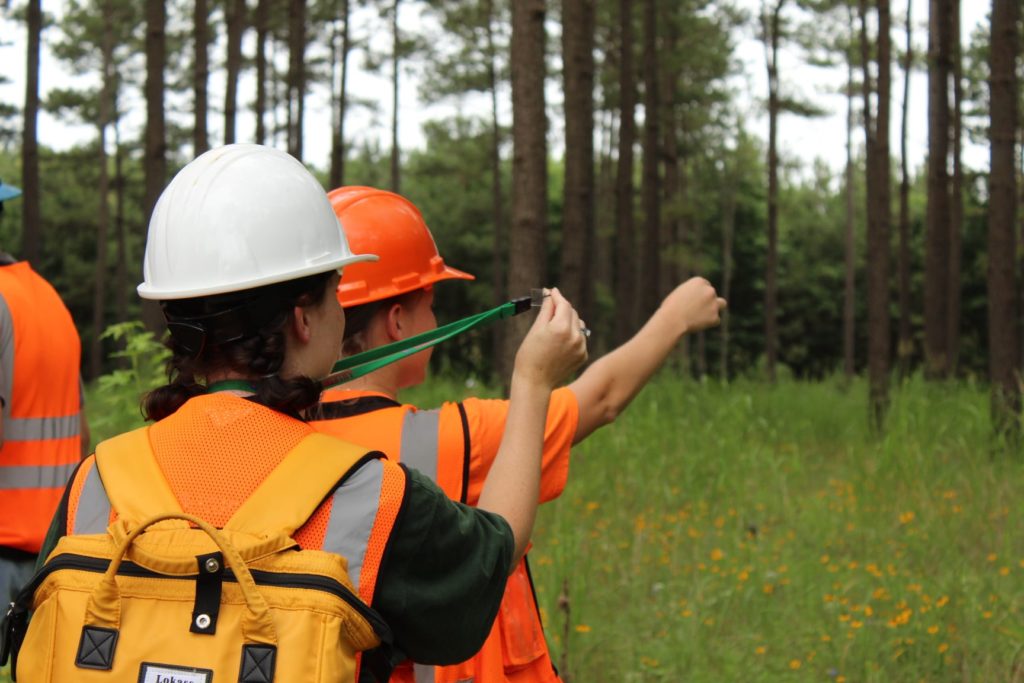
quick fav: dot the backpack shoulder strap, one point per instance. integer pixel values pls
(293, 491)
(131, 477)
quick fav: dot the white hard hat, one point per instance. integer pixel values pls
(239, 217)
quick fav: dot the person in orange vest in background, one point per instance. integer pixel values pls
(244, 253)
(455, 444)
(42, 428)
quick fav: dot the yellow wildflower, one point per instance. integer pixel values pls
(795, 664)
(582, 628)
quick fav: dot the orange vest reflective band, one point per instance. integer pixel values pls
(437, 443)
(39, 384)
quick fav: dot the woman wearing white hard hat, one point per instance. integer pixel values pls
(244, 253)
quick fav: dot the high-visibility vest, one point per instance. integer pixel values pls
(356, 521)
(40, 355)
(515, 651)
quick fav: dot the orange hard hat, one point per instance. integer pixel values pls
(389, 225)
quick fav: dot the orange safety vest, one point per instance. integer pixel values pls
(39, 383)
(437, 443)
(356, 521)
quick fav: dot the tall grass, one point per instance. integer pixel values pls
(760, 533)
(748, 532)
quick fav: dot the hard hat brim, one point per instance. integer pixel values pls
(9, 192)
(153, 293)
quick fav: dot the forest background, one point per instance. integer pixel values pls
(824, 488)
(582, 188)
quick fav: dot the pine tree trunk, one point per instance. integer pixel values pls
(341, 97)
(528, 233)
(31, 214)
(296, 75)
(937, 248)
(771, 333)
(649, 281)
(499, 253)
(1003, 306)
(200, 75)
(728, 229)
(99, 299)
(123, 285)
(625, 243)
(671, 148)
(236, 26)
(396, 179)
(578, 213)
(956, 205)
(604, 220)
(905, 343)
(878, 233)
(155, 162)
(849, 251)
(262, 29)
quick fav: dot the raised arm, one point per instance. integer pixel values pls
(554, 347)
(610, 383)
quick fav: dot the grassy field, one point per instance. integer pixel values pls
(756, 533)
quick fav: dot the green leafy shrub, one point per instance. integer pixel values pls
(112, 401)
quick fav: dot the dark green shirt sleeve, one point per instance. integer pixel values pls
(443, 576)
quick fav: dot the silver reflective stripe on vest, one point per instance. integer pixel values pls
(419, 441)
(41, 428)
(35, 476)
(93, 513)
(353, 512)
(423, 673)
(6, 354)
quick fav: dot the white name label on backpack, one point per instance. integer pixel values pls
(168, 673)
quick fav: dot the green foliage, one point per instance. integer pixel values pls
(112, 402)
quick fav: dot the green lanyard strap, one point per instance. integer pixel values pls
(368, 361)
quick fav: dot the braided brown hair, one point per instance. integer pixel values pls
(258, 355)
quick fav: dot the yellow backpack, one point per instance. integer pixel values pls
(163, 597)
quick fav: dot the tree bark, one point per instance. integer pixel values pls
(262, 29)
(771, 26)
(155, 164)
(296, 75)
(123, 285)
(1003, 306)
(728, 229)
(578, 214)
(625, 243)
(527, 237)
(905, 343)
(341, 98)
(850, 247)
(236, 26)
(31, 216)
(649, 282)
(936, 295)
(200, 75)
(604, 268)
(878, 232)
(499, 253)
(396, 178)
(956, 204)
(99, 299)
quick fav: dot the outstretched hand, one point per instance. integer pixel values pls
(695, 304)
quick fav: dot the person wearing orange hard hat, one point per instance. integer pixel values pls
(244, 254)
(455, 444)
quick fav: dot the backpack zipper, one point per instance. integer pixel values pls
(260, 576)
